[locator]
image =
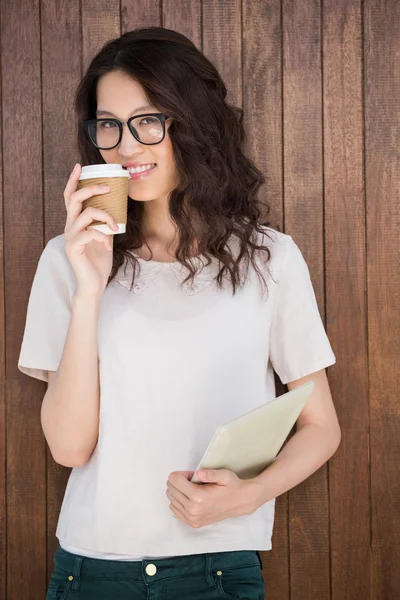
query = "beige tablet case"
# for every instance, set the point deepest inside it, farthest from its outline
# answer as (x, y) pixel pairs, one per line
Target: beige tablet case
(249, 443)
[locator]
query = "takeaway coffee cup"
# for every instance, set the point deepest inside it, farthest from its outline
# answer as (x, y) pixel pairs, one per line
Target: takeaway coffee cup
(115, 202)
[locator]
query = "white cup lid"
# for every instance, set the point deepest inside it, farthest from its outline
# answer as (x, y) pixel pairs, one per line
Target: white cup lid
(106, 170)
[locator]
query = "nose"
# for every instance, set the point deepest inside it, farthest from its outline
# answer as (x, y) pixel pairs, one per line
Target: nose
(129, 145)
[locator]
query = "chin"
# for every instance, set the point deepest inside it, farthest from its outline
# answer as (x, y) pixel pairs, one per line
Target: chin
(142, 196)
(141, 199)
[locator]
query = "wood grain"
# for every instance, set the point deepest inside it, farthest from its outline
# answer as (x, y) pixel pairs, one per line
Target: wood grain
(146, 13)
(101, 22)
(262, 98)
(26, 491)
(346, 306)
(262, 105)
(3, 506)
(185, 17)
(303, 219)
(318, 81)
(23, 242)
(222, 43)
(60, 28)
(382, 145)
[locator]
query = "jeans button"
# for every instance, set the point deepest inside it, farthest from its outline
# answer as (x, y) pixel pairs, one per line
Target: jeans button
(151, 570)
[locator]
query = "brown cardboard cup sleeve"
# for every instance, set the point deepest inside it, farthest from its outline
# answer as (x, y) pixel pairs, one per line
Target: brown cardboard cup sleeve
(115, 202)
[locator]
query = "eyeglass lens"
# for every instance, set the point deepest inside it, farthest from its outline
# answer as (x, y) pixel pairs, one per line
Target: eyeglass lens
(105, 133)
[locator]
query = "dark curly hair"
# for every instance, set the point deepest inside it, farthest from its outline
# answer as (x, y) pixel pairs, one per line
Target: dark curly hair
(218, 184)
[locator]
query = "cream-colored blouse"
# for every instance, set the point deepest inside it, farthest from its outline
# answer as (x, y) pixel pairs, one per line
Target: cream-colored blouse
(175, 362)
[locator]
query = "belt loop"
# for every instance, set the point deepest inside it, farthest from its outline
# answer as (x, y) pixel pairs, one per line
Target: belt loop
(76, 572)
(208, 571)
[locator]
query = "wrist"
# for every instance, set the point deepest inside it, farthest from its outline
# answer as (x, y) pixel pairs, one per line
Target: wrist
(255, 494)
(84, 302)
(86, 297)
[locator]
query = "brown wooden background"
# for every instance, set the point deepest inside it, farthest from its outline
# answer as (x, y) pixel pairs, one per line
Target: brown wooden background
(319, 81)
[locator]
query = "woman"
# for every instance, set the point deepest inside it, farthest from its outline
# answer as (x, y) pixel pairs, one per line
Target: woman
(151, 339)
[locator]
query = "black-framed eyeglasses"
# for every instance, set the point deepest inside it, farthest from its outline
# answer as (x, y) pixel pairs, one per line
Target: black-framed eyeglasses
(106, 134)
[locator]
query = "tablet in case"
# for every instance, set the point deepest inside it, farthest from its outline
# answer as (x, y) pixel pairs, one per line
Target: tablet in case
(249, 443)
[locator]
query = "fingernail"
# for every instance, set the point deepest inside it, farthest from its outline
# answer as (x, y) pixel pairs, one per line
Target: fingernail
(115, 226)
(104, 187)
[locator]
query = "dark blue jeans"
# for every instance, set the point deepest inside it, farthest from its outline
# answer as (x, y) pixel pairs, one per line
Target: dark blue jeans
(194, 577)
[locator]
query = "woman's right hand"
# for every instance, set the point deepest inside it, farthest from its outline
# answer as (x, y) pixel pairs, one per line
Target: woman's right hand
(90, 251)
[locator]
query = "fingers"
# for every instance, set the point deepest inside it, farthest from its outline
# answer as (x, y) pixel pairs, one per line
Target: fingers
(181, 498)
(85, 219)
(77, 221)
(72, 193)
(74, 205)
(175, 502)
(86, 192)
(72, 182)
(178, 480)
(187, 474)
(179, 514)
(79, 241)
(74, 197)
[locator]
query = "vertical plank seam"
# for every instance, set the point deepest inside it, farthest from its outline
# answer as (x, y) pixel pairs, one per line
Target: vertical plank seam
(160, 13)
(364, 167)
(201, 25)
(80, 37)
(41, 119)
(241, 56)
(324, 268)
(44, 242)
(284, 228)
(120, 18)
(4, 340)
(283, 124)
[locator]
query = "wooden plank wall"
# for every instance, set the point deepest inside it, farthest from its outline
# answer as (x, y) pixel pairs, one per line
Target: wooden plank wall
(319, 83)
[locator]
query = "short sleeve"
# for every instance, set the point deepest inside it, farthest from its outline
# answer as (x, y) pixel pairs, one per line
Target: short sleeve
(49, 312)
(299, 344)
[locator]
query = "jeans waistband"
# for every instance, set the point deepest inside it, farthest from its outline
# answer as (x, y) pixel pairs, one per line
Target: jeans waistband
(173, 566)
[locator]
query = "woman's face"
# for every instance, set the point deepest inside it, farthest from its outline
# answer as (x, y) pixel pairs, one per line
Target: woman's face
(119, 96)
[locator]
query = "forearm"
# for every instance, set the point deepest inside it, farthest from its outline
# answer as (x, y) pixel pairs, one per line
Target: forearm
(70, 409)
(308, 449)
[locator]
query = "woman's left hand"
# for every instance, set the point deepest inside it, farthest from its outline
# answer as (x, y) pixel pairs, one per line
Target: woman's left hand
(223, 496)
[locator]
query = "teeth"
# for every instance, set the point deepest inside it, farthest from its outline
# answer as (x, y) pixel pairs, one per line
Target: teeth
(140, 169)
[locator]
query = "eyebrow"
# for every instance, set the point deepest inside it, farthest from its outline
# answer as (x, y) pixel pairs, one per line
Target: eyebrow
(106, 112)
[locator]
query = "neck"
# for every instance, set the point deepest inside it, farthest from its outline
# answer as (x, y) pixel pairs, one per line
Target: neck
(159, 231)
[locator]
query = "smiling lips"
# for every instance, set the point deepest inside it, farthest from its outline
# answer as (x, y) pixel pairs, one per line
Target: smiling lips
(140, 172)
